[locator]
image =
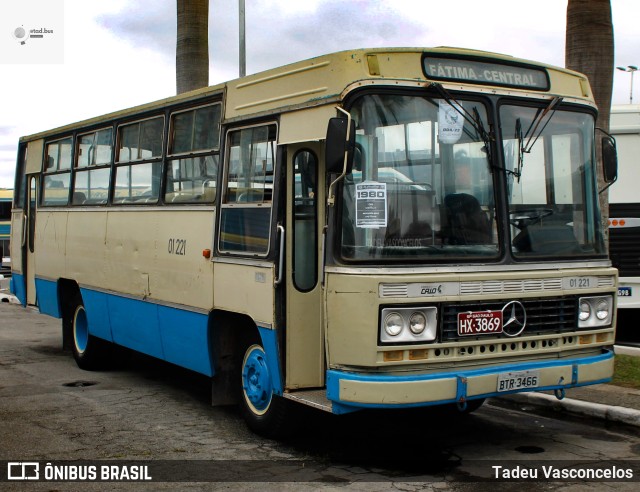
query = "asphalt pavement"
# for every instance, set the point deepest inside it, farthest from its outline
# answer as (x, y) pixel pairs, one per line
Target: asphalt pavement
(603, 401)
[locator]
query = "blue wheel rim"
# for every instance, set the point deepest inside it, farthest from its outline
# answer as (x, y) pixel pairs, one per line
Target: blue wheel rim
(256, 380)
(81, 330)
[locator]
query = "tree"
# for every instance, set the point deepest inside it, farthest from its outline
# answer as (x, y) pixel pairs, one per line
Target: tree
(589, 49)
(192, 46)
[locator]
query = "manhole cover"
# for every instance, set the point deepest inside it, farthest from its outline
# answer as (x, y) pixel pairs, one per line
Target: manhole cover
(79, 384)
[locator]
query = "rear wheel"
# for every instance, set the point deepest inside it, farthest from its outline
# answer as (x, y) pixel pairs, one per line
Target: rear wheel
(265, 413)
(89, 352)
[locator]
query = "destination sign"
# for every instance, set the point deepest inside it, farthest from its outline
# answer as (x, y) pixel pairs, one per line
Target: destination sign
(481, 72)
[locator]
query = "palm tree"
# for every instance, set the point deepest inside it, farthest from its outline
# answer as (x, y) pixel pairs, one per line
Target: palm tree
(589, 49)
(192, 47)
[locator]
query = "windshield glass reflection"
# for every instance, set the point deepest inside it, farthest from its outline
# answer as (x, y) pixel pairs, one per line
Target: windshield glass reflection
(552, 186)
(421, 186)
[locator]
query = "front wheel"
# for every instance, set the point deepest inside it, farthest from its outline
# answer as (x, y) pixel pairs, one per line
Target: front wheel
(89, 352)
(265, 413)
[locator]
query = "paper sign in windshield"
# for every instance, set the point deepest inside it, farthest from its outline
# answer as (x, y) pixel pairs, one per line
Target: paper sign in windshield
(450, 122)
(371, 205)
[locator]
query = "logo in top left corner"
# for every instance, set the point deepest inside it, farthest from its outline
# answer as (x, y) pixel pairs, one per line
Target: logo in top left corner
(23, 470)
(21, 34)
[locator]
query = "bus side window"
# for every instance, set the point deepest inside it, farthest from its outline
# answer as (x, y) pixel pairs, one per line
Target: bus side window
(138, 161)
(245, 218)
(57, 179)
(305, 239)
(194, 144)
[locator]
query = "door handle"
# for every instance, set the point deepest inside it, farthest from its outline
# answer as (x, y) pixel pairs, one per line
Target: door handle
(280, 276)
(24, 230)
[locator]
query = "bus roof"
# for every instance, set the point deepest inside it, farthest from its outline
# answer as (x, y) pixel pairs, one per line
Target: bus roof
(324, 79)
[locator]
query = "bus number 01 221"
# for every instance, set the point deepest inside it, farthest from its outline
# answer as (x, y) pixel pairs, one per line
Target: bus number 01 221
(177, 247)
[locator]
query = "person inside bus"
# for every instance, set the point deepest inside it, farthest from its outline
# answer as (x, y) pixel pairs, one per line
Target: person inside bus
(467, 223)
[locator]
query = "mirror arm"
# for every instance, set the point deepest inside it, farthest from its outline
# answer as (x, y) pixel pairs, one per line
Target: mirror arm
(607, 186)
(331, 200)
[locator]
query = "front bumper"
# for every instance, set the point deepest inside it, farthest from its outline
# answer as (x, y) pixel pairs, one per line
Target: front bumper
(350, 391)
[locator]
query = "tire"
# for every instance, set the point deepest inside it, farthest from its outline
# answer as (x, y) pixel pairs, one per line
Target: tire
(89, 352)
(264, 412)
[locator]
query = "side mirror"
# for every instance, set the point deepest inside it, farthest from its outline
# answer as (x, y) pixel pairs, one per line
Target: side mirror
(337, 144)
(609, 159)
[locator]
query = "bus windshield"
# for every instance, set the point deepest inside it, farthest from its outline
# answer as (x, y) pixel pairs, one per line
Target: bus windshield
(551, 183)
(421, 185)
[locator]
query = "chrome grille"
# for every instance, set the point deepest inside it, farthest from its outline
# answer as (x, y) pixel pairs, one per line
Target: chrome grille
(544, 316)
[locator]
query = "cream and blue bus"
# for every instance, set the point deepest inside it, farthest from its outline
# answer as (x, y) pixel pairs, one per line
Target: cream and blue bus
(376, 228)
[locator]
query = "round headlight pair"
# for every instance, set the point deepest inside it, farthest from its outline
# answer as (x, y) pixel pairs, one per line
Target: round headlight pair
(394, 323)
(601, 310)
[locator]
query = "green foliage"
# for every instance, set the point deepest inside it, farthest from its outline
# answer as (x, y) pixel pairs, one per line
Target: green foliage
(626, 371)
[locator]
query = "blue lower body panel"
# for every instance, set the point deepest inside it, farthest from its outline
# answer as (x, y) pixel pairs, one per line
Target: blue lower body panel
(176, 335)
(185, 339)
(47, 300)
(16, 286)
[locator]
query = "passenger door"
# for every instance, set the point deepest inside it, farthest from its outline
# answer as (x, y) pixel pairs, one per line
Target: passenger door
(304, 334)
(28, 243)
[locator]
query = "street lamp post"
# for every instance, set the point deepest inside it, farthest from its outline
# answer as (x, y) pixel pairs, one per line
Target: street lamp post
(631, 69)
(243, 45)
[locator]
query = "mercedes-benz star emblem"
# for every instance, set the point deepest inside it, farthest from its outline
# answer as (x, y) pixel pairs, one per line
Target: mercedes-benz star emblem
(514, 318)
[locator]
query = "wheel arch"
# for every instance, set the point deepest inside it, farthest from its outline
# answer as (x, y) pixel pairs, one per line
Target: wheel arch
(229, 334)
(68, 294)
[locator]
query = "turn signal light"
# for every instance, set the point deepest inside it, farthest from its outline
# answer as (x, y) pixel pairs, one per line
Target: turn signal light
(393, 356)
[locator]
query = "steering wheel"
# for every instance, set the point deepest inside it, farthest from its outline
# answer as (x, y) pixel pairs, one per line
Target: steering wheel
(528, 216)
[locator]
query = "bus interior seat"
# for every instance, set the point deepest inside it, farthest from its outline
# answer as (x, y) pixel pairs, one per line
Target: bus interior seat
(412, 217)
(466, 222)
(183, 196)
(545, 239)
(209, 194)
(253, 195)
(95, 201)
(78, 198)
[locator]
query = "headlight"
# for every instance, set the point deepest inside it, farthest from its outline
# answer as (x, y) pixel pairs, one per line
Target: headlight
(595, 312)
(408, 325)
(602, 310)
(393, 324)
(417, 323)
(585, 310)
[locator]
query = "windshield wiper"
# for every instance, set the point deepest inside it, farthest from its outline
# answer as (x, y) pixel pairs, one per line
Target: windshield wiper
(533, 133)
(473, 119)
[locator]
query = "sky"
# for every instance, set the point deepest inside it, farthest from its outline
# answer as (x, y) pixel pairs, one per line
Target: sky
(94, 57)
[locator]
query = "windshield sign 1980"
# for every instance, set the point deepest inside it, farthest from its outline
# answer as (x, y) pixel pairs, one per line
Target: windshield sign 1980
(485, 73)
